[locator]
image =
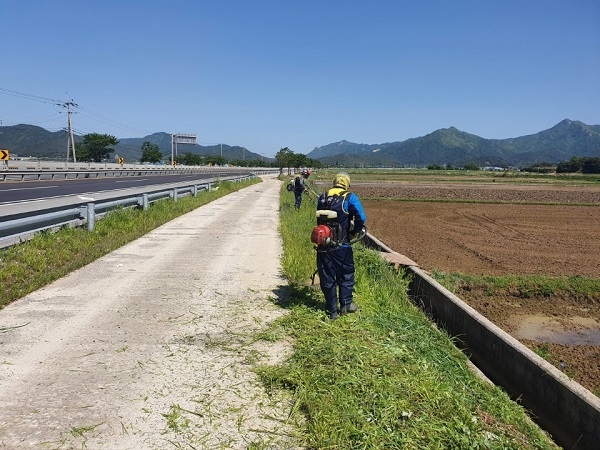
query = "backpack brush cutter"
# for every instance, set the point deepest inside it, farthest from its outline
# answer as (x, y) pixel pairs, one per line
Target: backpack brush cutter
(358, 237)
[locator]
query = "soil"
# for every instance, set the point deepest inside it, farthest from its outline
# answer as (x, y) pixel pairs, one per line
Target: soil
(491, 229)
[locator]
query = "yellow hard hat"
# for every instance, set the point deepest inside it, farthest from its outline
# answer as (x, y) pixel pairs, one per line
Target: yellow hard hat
(342, 180)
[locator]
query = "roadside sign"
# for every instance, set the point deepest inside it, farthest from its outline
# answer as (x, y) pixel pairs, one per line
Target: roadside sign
(4, 155)
(121, 160)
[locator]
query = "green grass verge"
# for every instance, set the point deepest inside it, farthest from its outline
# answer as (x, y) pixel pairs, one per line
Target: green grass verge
(523, 286)
(33, 264)
(458, 176)
(384, 377)
(489, 202)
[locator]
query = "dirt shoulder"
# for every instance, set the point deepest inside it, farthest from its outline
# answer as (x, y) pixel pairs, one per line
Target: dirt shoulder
(153, 345)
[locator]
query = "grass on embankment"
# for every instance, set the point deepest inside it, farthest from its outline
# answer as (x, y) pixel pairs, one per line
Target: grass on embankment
(384, 377)
(522, 286)
(49, 256)
(460, 177)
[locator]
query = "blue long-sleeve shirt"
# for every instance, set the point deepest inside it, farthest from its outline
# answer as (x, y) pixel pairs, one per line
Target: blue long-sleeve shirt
(351, 206)
(356, 211)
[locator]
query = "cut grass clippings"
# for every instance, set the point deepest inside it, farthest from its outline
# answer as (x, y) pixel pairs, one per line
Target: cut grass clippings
(384, 377)
(51, 255)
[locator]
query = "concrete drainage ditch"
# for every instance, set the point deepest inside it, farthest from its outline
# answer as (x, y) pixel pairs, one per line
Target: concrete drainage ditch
(565, 409)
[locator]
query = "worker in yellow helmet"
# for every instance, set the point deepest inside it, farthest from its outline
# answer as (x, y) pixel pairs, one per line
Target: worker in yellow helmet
(335, 259)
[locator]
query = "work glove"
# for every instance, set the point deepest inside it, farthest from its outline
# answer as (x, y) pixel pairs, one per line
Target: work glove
(355, 233)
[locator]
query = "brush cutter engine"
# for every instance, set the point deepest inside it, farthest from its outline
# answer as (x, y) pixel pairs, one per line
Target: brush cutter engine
(326, 233)
(322, 236)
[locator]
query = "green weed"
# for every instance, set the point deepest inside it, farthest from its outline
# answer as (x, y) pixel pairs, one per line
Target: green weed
(543, 350)
(175, 421)
(523, 286)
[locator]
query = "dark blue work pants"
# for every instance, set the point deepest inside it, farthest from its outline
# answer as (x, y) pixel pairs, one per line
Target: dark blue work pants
(336, 270)
(298, 195)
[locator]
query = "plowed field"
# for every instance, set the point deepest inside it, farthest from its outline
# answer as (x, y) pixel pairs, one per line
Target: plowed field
(509, 230)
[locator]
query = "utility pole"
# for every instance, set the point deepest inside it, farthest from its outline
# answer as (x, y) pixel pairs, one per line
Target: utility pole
(70, 138)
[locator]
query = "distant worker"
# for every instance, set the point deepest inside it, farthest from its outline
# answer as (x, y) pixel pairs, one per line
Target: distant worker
(299, 188)
(343, 215)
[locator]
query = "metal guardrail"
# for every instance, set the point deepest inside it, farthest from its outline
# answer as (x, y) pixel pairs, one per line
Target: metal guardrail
(90, 171)
(20, 227)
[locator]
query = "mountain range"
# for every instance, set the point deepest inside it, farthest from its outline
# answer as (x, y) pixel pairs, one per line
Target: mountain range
(130, 148)
(445, 146)
(457, 148)
(33, 141)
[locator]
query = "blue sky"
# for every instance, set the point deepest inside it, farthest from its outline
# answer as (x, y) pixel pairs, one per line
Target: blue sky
(267, 74)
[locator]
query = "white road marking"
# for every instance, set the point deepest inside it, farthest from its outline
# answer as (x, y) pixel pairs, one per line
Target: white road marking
(27, 188)
(137, 181)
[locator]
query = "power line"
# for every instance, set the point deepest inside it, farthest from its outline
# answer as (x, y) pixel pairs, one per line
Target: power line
(77, 109)
(106, 120)
(36, 98)
(49, 118)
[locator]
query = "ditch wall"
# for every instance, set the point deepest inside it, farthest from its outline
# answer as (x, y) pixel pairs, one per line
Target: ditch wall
(565, 409)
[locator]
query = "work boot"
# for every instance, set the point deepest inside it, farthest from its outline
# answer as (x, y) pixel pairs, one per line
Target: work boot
(352, 307)
(333, 316)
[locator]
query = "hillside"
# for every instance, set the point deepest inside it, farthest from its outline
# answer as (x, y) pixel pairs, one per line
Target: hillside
(444, 146)
(33, 141)
(452, 146)
(130, 148)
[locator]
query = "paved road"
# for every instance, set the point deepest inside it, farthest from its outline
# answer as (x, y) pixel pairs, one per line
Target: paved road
(20, 199)
(149, 347)
(19, 191)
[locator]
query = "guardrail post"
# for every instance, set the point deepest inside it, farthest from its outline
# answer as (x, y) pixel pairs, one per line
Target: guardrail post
(91, 216)
(195, 190)
(175, 195)
(145, 202)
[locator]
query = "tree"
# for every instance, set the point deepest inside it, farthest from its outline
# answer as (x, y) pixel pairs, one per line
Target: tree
(216, 160)
(471, 166)
(95, 147)
(283, 158)
(573, 165)
(298, 160)
(314, 163)
(151, 152)
(435, 167)
(191, 159)
(81, 153)
(591, 165)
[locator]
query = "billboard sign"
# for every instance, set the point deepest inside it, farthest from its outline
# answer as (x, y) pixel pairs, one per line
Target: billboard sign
(185, 138)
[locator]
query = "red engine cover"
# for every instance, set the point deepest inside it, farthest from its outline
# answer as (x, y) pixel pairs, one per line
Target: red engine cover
(321, 235)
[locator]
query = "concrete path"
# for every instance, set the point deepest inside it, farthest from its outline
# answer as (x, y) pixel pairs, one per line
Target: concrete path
(151, 347)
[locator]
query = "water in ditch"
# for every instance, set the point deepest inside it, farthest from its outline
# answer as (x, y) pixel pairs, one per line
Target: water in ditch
(573, 331)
